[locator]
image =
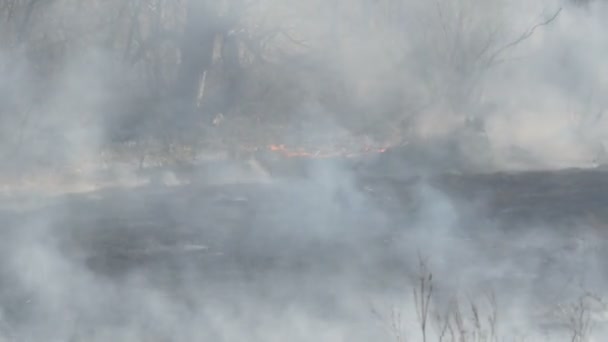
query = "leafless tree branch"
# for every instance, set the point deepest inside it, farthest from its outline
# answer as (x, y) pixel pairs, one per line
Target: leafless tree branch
(524, 36)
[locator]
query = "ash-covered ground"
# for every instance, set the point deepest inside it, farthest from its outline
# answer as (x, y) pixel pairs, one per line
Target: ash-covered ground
(330, 254)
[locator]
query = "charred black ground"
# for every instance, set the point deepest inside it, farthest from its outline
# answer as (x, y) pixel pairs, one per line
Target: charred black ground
(298, 244)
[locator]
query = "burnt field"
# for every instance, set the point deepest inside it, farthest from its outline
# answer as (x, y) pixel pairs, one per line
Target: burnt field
(316, 255)
(272, 171)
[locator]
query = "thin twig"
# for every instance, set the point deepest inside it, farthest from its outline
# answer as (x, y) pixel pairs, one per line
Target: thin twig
(523, 36)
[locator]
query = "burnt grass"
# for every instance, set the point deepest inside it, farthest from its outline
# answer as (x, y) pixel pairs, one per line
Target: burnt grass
(267, 225)
(234, 236)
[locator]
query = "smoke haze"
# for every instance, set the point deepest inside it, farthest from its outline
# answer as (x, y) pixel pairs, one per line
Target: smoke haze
(290, 170)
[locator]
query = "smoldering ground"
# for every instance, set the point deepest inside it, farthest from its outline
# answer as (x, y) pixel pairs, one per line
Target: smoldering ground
(308, 249)
(287, 260)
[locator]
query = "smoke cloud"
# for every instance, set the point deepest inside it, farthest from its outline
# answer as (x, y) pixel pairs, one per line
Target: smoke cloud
(141, 200)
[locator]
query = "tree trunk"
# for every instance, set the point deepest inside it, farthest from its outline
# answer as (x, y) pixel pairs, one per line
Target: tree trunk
(196, 49)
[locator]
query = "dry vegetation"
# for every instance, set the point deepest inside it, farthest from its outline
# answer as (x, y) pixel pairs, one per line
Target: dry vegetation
(477, 318)
(80, 78)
